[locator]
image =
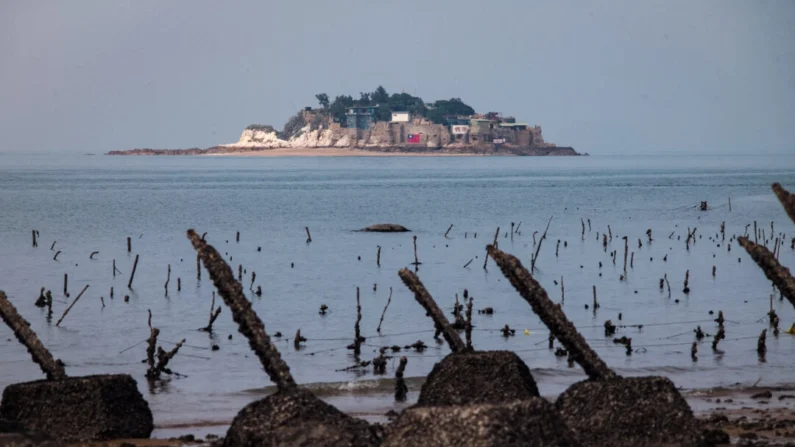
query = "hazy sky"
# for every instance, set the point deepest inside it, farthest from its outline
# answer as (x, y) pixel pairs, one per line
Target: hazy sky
(605, 77)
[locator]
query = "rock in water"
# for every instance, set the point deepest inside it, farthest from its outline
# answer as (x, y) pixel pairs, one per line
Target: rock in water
(79, 409)
(646, 411)
(386, 228)
(298, 418)
(488, 377)
(529, 422)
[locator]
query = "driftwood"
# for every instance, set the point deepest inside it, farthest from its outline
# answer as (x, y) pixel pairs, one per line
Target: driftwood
(52, 368)
(70, 306)
(249, 323)
(427, 302)
(777, 273)
(552, 316)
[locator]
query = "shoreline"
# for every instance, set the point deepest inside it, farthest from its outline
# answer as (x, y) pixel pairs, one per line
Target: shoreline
(374, 151)
(730, 409)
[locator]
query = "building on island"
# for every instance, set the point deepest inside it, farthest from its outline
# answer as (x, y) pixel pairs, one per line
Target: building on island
(401, 117)
(514, 126)
(360, 117)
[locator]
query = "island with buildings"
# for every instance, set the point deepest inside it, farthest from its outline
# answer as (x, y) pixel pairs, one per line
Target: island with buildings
(381, 124)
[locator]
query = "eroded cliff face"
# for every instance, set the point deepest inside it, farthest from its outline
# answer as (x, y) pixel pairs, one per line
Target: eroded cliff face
(384, 135)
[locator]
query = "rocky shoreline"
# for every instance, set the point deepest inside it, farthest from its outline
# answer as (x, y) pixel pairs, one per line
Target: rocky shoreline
(484, 150)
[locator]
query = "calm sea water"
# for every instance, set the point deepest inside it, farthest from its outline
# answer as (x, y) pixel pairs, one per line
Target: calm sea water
(86, 204)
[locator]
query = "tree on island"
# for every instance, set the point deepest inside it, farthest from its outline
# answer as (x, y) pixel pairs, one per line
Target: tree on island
(322, 98)
(397, 102)
(380, 96)
(445, 108)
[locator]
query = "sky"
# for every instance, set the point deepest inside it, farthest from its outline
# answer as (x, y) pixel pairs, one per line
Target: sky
(606, 77)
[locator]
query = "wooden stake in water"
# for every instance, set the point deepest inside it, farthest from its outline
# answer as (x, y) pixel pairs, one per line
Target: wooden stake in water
(416, 260)
(626, 251)
(686, 289)
(486, 258)
(388, 300)
(71, 305)
(168, 279)
(448, 230)
(308, 235)
(35, 243)
(129, 244)
(213, 316)
(357, 342)
(538, 248)
(65, 284)
(378, 257)
(468, 326)
(400, 384)
(132, 275)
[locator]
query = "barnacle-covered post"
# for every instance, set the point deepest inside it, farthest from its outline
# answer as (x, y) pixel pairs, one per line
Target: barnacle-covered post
(51, 367)
(248, 322)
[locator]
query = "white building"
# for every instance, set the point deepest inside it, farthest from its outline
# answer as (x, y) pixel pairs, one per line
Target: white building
(400, 117)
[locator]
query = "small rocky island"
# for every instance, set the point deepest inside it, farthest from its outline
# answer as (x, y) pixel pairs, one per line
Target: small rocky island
(381, 123)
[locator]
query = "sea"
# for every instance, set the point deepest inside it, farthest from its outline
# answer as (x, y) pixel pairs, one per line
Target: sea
(82, 205)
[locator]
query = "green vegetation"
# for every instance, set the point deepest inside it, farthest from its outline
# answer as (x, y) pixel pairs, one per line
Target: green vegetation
(453, 107)
(396, 102)
(262, 127)
(293, 126)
